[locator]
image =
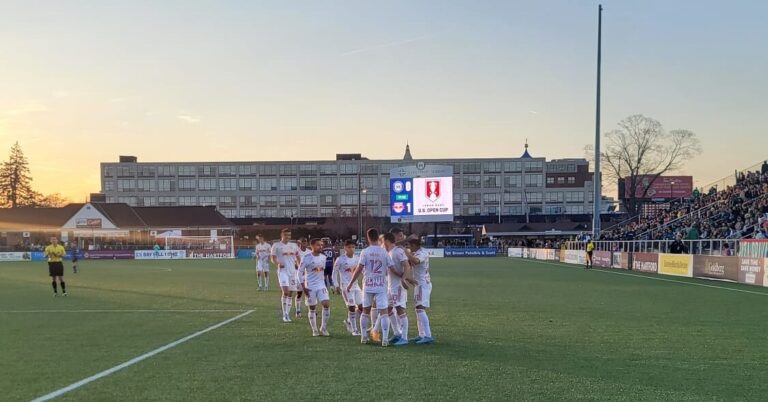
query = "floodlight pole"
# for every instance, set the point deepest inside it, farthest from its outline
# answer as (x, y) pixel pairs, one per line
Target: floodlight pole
(597, 180)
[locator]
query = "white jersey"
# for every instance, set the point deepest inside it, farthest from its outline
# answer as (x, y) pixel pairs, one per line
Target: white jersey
(343, 269)
(311, 271)
(376, 262)
(262, 252)
(286, 255)
(304, 253)
(398, 258)
(421, 270)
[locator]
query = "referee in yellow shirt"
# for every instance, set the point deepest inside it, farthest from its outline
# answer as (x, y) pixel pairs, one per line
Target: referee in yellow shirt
(55, 253)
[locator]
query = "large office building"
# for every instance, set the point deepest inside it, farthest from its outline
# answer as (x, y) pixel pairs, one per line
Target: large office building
(315, 189)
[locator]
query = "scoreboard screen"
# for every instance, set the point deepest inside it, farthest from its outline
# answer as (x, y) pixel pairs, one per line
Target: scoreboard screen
(421, 194)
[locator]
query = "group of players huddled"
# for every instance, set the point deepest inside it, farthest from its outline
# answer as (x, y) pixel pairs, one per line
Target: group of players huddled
(389, 266)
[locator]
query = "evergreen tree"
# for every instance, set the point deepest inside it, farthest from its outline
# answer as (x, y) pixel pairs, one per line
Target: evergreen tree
(15, 180)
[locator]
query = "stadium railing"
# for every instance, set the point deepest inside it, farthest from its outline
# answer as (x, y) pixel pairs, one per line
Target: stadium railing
(698, 247)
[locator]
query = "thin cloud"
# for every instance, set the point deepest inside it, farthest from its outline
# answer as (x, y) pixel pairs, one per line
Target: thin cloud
(32, 107)
(386, 45)
(188, 118)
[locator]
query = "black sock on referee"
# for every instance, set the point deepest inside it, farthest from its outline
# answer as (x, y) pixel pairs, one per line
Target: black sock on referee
(54, 287)
(63, 287)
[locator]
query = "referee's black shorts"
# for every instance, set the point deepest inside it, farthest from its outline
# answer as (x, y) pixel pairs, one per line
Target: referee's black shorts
(55, 269)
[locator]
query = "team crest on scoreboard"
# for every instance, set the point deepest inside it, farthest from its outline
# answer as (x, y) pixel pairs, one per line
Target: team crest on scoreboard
(398, 207)
(433, 190)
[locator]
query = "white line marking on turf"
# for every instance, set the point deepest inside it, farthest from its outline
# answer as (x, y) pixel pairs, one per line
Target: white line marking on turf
(120, 311)
(72, 387)
(562, 265)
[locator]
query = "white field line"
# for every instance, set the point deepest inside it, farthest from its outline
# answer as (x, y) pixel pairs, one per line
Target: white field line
(120, 311)
(563, 265)
(86, 381)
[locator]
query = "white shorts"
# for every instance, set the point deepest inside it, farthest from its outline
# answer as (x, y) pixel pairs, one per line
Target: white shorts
(379, 298)
(421, 294)
(315, 296)
(287, 279)
(262, 266)
(352, 298)
(398, 297)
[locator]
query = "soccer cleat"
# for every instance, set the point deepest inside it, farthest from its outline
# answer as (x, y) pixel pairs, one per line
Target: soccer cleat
(55, 295)
(425, 341)
(365, 341)
(375, 336)
(326, 333)
(298, 315)
(356, 333)
(315, 333)
(64, 294)
(286, 319)
(395, 339)
(400, 342)
(416, 339)
(384, 343)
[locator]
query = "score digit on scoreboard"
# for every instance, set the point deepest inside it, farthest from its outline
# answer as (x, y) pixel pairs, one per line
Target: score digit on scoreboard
(422, 193)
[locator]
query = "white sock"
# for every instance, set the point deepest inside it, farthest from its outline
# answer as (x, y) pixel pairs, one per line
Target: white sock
(286, 305)
(259, 279)
(395, 322)
(403, 326)
(357, 315)
(384, 327)
(298, 305)
(423, 321)
(352, 318)
(326, 318)
(313, 320)
(374, 318)
(266, 282)
(364, 322)
(377, 324)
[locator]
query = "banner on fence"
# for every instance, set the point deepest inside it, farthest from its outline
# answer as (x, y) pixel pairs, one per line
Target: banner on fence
(645, 262)
(108, 255)
(208, 254)
(755, 248)
(620, 260)
(676, 264)
(515, 252)
(15, 256)
(602, 259)
(435, 252)
(751, 271)
(716, 267)
(159, 255)
(470, 252)
(574, 257)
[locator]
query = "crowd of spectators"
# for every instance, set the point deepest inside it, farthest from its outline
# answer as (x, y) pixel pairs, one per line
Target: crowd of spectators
(739, 211)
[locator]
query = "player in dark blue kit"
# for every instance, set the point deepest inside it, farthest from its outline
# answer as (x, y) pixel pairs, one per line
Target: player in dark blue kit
(330, 254)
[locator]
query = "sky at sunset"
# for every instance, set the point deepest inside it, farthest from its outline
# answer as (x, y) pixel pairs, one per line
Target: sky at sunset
(82, 82)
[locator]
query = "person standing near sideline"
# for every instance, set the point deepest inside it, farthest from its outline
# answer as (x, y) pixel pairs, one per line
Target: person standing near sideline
(55, 253)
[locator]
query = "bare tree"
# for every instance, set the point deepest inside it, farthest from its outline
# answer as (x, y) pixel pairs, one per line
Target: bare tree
(640, 148)
(55, 200)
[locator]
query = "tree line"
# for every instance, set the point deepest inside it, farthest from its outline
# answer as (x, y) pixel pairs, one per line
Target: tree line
(16, 184)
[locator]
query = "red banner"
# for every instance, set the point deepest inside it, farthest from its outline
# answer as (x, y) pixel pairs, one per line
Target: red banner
(645, 262)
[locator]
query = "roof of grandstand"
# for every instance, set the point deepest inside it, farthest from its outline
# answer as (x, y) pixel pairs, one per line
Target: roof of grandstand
(119, 216)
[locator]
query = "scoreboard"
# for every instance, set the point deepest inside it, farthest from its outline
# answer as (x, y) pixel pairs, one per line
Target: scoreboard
(421, 193)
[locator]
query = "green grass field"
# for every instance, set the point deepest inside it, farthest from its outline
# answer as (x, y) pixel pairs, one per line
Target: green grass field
(505, 330)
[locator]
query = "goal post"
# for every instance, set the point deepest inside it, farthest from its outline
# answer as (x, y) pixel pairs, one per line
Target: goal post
(202, 247)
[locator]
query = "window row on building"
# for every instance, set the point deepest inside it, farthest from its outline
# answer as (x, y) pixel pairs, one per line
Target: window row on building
(321, 169)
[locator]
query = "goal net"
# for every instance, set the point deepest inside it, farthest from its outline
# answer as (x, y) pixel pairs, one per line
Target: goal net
(202, 247)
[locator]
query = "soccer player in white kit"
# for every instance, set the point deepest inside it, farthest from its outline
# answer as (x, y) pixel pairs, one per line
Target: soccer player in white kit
(422, 291)
(374, 264)
(303, 251)
(312, 282)
(262, 252)
(342, 270)
(398, 293)
(285, 256)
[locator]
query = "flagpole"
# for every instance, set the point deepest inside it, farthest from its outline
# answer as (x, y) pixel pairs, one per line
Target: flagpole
(597, 180)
